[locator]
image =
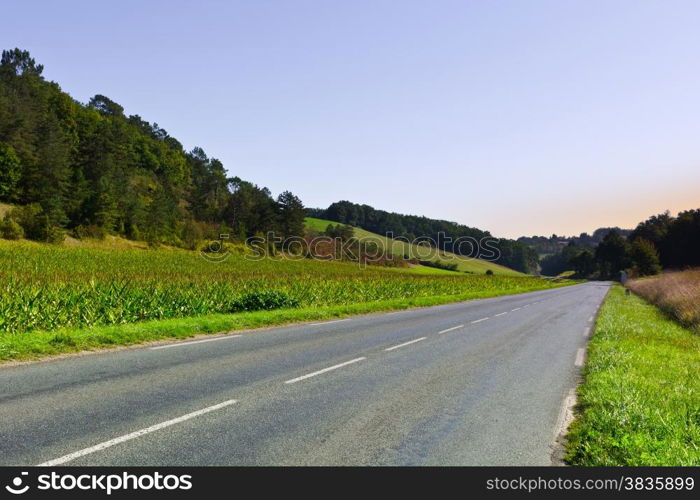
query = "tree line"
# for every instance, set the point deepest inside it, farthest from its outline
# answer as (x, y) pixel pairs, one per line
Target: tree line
(89, 170)
(513, 254)
(660, 242)
(547, 245)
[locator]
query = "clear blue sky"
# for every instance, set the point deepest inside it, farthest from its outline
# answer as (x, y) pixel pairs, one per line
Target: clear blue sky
(520, 117)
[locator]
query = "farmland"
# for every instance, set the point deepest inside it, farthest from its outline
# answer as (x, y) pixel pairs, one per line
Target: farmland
(47, 288)
(411, 250)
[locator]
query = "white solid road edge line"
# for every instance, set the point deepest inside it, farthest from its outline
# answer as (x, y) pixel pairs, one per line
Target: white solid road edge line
(480, 320)
(450, 329)
(580, 357)
(180, 344)
(134, 435)
(566, 414)
(405, 344)
(334, 367)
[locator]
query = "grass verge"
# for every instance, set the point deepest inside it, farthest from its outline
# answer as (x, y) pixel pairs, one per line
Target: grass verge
(639, 403)
(37, 344)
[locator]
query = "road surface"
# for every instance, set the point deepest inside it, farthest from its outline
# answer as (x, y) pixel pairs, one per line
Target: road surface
(481, 382)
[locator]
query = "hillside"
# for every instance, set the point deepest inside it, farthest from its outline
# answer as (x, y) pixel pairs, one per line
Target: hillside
(402, 248)
(447, 234)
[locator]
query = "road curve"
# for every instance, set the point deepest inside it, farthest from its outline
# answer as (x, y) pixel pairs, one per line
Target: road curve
(472, 383)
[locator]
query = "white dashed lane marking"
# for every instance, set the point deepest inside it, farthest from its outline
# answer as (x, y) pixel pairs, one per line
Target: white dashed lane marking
(134, 435)
(405, 343)
(451, 329)
(319, 372)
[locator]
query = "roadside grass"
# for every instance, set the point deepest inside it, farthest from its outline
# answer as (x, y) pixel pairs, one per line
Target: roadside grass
(639, 404)
(37, 344)
(403, 248)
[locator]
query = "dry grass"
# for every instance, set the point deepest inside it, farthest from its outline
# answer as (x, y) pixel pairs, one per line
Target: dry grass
(677, 293)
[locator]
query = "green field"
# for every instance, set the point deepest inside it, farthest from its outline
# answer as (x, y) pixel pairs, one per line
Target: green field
(402, 248)
(640, 401)
(65, 290)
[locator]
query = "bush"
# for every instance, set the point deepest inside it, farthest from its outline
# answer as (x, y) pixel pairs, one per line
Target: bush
(10, 230)
(447, 266)
(489, 272)
(192, 234)
(264, 300)
(36, 224)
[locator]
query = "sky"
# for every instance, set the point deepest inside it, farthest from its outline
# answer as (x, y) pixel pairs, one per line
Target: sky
(519, 117)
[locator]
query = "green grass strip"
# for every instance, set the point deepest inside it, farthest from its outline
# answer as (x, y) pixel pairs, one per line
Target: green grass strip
(639, 403)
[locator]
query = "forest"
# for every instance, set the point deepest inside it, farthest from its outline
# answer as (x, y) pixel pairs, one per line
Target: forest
(88, 170)
(660, 242)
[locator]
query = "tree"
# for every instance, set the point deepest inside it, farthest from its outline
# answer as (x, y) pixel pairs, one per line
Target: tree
(20, 62)
(291, 214)
(10, 172)
(584, 264)
(645, 257)
(251, 210)
(106, 106)
(612, 255)
(682, 242)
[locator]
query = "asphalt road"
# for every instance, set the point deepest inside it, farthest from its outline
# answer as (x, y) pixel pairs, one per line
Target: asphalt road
(480, 382)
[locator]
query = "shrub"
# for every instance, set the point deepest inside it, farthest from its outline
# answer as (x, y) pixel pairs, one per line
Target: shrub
(489, 272)
(447, 266)
(10, 230)
(192, 234)
(264, 300)
(36, 224)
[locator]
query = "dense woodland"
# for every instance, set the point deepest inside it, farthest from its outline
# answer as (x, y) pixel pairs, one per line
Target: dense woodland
(660, 242)
(513, 254)
(90, 170)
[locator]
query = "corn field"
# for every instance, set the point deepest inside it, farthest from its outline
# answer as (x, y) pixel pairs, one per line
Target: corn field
(45, 288)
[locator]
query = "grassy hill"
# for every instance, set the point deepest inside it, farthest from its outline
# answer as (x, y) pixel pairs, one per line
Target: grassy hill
(401, 248)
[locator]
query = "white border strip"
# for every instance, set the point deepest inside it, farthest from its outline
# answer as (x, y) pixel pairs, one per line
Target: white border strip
(181, 344)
